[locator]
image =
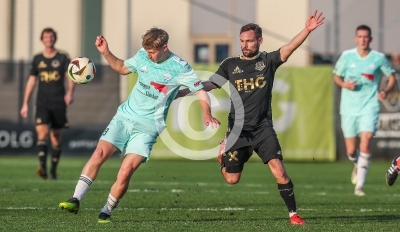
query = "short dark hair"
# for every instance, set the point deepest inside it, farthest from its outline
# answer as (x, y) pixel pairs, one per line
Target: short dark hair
(48, 30)
(252, 27)
(364, 28)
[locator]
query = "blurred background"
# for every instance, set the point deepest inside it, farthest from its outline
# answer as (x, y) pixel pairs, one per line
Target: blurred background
(203, 32)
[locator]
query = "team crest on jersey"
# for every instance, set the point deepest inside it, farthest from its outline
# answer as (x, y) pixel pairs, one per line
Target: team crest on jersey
(143, 69)
(167, 76)
(371, 66)
(42, 64)
(237, 70)
(55, 63)
(260, 66)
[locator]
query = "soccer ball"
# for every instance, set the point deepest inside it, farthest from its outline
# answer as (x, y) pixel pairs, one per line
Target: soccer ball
(81, 70)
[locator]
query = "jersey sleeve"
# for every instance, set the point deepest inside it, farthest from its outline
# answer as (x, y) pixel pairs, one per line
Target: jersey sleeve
(189, 79)
(275, 58)
(131, 63)
(340, 67)
(34, 67)
(221, 76)
(386, 67)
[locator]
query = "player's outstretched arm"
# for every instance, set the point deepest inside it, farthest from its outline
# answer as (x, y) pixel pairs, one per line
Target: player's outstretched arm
(115, 63)
(207, 86)
(205, 105)
(314, 21)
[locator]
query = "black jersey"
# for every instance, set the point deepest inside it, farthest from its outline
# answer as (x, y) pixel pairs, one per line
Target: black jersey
(51, 76)
(253, 81)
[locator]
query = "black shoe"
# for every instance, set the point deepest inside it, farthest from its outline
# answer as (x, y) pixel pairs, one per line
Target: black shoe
(71, 205)
(392, 172)
(104, 218)
(41, 172)
(53, 176)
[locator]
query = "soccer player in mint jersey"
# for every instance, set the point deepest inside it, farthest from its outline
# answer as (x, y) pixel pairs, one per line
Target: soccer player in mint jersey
(358, 72)
(48, 70)
(140, 119)
(251, 77)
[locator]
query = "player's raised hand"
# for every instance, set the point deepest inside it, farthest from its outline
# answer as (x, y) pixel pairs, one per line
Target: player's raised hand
(101, 44)
(209, 120)
(314, 21)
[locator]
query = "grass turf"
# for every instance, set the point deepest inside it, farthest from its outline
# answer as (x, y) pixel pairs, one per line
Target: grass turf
(184, 195)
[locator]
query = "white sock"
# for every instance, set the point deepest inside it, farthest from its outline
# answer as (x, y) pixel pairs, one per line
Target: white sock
(291, 213)
(110, 205)
(362, 169)
(82, 186)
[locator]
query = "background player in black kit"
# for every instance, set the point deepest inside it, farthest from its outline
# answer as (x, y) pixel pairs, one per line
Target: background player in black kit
(252, 76)
(49, 69)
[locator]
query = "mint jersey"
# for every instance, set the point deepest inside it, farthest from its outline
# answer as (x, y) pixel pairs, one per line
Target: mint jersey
(366, 72)
(156, 87)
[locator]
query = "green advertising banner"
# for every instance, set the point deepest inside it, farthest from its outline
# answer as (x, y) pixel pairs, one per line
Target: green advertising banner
(302, 111)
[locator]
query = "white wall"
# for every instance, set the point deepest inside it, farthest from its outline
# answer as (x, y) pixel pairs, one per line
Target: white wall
(286, 18)
(4, 28)
(62, 16)
(149, 13)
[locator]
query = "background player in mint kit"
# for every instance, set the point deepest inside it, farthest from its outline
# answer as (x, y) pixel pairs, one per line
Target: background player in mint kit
(49, 69)
(252, 75)
(358, 73)
(140, 119)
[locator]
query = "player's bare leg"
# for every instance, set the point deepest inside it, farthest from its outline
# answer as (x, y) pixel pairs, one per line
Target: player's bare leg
(42, 131)
(89, 173)
(55, 139)
(363, 162)
(285, 187)
(128, 167)
(352, 155)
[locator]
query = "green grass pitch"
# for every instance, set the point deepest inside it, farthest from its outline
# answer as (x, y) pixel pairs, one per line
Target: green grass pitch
(185, 195)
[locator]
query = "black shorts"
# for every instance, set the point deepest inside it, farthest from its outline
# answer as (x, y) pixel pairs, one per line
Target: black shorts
(57, 118)
(263, 141)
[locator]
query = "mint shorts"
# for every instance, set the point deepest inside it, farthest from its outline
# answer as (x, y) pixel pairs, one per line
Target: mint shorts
(131, 136)
(353, 125)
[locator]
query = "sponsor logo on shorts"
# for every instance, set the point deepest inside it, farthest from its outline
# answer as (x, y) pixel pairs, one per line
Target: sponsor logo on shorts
(232, 156)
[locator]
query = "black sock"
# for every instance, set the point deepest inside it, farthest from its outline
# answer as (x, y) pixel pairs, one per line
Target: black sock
(287, 194)
(55, 158)
(42, 154)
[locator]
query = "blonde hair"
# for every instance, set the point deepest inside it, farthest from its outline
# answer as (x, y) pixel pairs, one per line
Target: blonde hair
(154, 38)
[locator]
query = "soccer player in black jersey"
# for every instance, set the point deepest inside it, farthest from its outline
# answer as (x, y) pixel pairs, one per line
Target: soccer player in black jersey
(252, 76)
(49, 69)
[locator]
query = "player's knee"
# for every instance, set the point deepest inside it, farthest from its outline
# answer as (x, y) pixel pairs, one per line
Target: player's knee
(100, 155)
